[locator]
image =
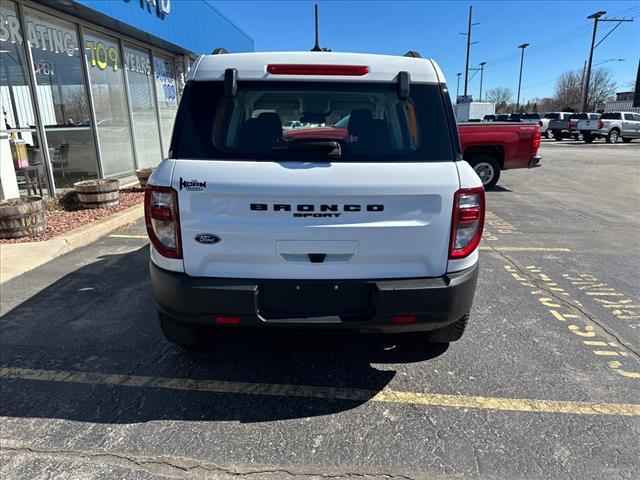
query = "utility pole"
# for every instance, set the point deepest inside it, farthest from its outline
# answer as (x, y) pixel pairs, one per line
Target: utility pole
(596, 19)
(584, 72)
(458, 88)
(482, 64)
(523, 46)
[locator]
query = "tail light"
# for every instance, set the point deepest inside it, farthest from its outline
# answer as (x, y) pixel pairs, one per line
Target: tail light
(600, 124)
(467, 221)
(535, 142)
(163, 223)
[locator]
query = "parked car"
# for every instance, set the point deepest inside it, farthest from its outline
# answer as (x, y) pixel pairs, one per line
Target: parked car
(502, 117)
(531, 118)
(567, 126)
(559, 126)
(489, 118)
(251, 227)
(611, 126)
(546, 119)
(291, 124)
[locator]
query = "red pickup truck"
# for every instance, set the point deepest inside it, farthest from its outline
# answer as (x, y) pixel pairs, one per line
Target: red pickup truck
(492, 147)
(489, 147)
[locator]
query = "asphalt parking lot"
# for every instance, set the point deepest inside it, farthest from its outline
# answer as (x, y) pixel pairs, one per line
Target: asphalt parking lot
(544, 384)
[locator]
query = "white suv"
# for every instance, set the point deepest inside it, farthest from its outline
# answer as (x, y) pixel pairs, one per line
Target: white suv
(370, 223)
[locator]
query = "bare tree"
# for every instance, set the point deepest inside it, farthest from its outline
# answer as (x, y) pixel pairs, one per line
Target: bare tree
(568, 94)
(602, 88)
(501, 96)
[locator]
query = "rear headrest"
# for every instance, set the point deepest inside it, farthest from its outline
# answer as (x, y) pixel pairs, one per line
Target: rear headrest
(270, 122)
(359, 120)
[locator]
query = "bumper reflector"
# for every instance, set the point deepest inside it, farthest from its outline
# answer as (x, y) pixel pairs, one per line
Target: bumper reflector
(228, 320)
(404, 319)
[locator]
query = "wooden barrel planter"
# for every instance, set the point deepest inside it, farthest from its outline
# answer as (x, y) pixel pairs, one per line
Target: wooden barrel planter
(143, 175)
(98, 193)
(22, 217)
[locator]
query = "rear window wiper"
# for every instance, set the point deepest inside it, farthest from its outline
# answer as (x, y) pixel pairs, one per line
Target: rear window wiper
(331, 148)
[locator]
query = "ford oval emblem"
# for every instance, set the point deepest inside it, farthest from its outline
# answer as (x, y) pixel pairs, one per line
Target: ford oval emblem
(207, 238)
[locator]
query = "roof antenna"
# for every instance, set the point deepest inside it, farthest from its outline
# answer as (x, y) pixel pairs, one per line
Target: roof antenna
(316, 47)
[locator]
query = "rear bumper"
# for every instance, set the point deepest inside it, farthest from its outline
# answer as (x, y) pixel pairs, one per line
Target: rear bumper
(435, 302)
(594, 133)
(535, 161)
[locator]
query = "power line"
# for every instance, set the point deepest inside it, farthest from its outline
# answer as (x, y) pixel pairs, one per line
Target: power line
(558, 40)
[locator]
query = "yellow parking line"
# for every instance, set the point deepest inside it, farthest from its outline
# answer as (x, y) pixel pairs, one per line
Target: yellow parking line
(526, 249)
(327, 393)
(123, 235)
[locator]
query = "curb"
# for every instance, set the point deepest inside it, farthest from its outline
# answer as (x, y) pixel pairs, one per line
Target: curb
(19, 258)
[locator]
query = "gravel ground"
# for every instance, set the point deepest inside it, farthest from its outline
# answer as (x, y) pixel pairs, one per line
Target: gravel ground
(61, 221)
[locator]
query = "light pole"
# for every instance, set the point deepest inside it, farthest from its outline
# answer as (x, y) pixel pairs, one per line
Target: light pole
(523, 46)
(458, 88)
(482, 64)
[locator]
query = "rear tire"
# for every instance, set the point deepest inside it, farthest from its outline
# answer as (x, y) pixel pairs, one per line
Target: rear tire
(487, 168)
(548, 134)
(578, 137)
(450, 333)
(557, 136)
(587, 138)
(612, 136)
(186, 336)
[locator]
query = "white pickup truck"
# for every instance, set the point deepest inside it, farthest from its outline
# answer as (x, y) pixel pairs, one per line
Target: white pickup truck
(611, 126)
(375, 231)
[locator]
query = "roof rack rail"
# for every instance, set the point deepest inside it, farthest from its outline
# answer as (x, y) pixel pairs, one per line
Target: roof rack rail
(219, 51)
(412, 53)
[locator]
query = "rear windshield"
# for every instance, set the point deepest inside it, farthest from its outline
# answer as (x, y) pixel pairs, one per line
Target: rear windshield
(552, 116)
(611, 116)
(531, 116)
(306, 121)
(579, 116)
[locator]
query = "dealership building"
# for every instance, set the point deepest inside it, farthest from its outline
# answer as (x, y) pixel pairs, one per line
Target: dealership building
(90, 88)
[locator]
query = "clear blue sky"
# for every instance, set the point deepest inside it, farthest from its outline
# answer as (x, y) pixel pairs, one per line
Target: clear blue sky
(558, 31)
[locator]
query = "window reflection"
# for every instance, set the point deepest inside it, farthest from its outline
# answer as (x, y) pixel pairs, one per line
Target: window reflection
(17, 106)
(62, 97)
(167, 97)
(106, 75)
(143, 107)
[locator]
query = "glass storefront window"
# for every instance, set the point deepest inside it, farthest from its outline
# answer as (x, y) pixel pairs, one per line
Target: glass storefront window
(143, 107)
(166, 89)
(106, 75)
(17, 106)
(62, 97)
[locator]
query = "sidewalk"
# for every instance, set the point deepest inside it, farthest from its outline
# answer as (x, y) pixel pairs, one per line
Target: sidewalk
(18, 258)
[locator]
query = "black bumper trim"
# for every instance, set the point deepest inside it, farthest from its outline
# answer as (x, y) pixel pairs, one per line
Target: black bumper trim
(535, 161)
(436, 302)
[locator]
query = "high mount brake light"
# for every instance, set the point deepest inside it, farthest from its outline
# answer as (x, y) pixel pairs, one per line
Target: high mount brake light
(294, 69)
(162, 220)
(467, 221)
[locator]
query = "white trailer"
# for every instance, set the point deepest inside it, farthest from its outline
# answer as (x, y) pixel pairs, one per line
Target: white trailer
(474, 110)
